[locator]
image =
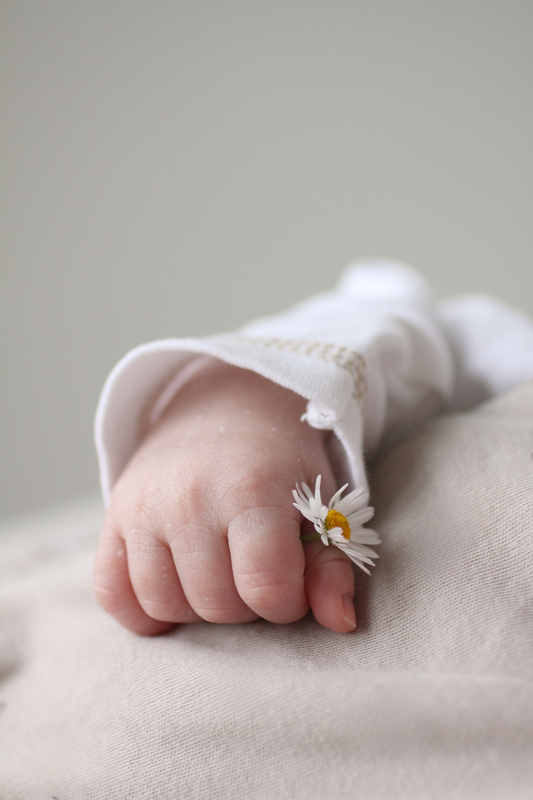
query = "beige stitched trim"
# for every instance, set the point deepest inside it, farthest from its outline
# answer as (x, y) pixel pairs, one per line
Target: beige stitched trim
(353, 362)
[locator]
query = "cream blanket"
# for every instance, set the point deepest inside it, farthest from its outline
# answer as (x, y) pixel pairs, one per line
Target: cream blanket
(431, 697)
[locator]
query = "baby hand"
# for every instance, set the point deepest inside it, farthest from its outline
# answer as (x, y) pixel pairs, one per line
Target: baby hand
(201, 524)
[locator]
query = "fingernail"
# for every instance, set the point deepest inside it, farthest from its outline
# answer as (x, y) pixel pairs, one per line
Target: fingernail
(349, 610)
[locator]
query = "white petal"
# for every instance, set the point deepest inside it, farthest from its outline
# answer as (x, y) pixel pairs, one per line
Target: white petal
(336, 496)
(359, 518)
(351, 549)
(364, 551)
(316, 508)
(317, 489)
(352, 502)
(357, 558)
(365, 536)
(360, 565)
(298, 496)
(306, 497)
(307, 490)
(337, 536)
(305, 512)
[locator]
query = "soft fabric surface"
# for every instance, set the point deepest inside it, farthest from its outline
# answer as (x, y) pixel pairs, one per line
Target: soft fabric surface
(431, 697)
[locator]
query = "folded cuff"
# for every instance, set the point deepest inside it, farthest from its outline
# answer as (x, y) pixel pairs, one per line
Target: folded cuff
(330, 377)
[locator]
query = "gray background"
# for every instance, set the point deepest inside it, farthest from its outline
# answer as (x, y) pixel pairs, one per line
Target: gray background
(177, 168)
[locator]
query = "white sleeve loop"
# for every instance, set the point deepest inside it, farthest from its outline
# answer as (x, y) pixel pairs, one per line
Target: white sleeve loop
(317, 418)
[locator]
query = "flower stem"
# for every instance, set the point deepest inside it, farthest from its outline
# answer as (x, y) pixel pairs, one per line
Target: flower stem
(309, 537)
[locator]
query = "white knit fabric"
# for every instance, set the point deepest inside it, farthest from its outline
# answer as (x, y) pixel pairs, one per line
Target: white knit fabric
(374, 358)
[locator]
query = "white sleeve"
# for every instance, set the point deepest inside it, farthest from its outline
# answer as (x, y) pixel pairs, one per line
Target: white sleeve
(371, 358)
(492, 346)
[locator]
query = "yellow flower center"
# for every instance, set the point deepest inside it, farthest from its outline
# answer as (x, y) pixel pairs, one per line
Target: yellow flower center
(335, 519)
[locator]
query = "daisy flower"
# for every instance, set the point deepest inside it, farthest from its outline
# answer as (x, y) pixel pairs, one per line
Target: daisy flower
(340, 523)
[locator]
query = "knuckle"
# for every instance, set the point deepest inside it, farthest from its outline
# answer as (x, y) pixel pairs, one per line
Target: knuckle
(265, 590)
(144, 548)
(172, 507)
(254, 491)
(143, 511)
(222, 612)
(146, 498)
(257, 522)
(328, 559)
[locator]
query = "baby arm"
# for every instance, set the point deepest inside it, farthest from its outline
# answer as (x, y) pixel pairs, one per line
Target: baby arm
(201, 523)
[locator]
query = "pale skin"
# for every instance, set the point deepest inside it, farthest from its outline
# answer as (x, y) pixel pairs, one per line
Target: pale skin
(201, 524)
